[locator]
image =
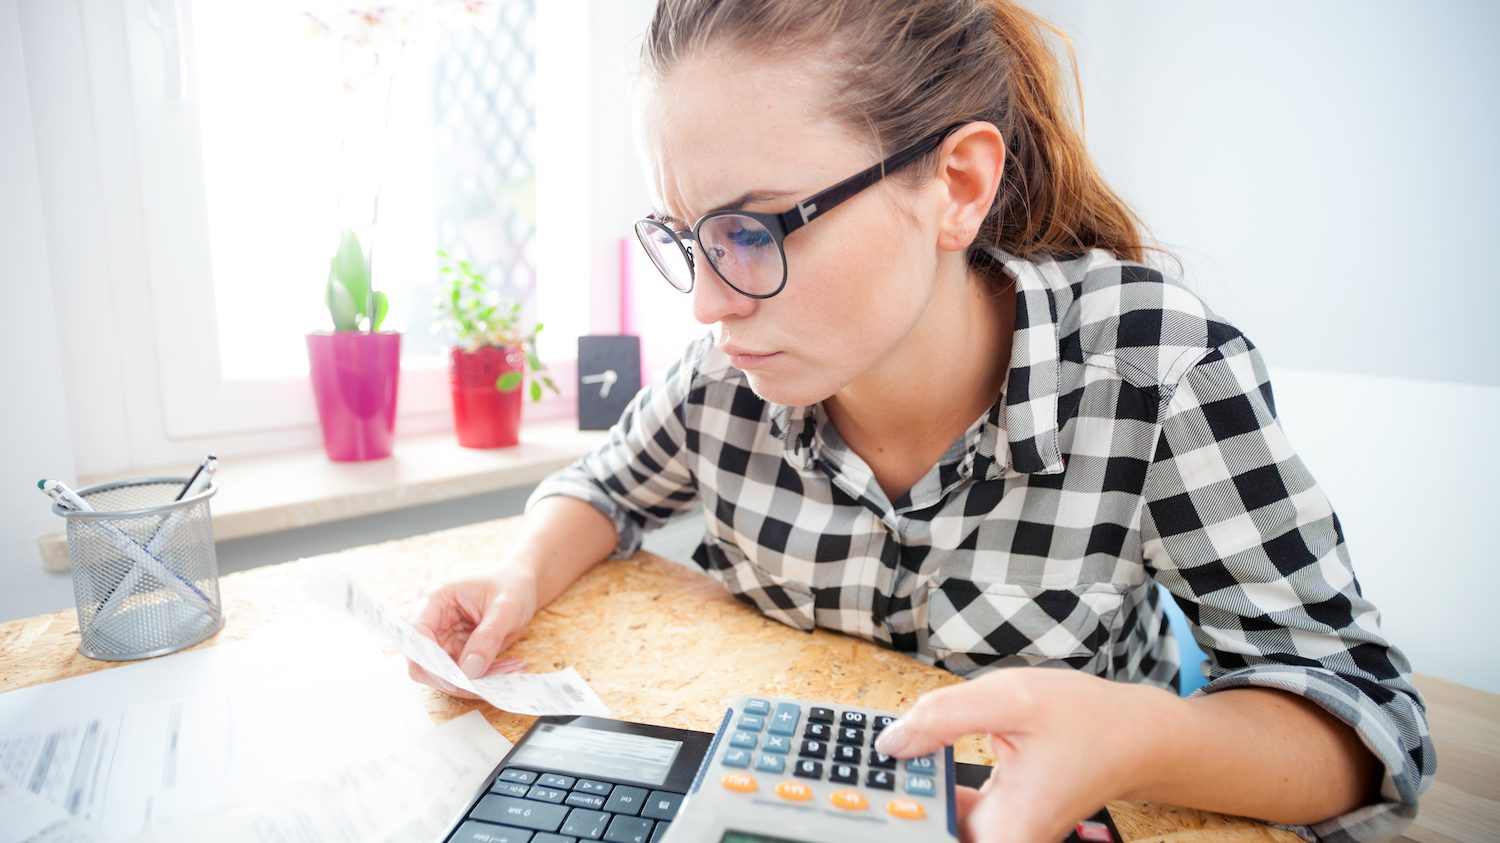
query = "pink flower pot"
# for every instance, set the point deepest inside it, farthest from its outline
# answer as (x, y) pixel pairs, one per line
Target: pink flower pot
(483, 416)
(354, 378)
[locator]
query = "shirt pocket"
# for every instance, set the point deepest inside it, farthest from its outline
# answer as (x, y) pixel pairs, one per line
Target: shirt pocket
(779, 598)
(1012, 624)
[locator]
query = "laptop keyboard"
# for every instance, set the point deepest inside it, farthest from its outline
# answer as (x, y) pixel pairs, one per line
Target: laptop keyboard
(525, 806)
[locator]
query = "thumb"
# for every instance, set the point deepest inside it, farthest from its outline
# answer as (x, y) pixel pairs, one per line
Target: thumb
(943, 716)
(486, 641)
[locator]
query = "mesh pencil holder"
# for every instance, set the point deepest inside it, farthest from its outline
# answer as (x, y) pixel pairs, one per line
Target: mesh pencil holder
(145, 576)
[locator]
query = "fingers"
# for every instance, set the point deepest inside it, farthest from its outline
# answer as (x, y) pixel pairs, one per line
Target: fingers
(488, 639)
(990, 705)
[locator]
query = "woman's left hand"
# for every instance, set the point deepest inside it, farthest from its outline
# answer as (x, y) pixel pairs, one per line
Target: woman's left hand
(1065, 743)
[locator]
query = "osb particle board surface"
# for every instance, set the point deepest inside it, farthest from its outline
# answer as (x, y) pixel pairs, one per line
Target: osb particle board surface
(659, 643)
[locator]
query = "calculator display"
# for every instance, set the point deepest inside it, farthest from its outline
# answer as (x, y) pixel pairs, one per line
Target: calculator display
(595, 752)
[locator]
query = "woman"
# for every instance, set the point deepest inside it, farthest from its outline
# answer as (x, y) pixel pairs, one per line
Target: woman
(959, 417)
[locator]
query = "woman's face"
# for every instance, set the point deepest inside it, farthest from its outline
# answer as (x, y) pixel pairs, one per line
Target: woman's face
(727, 131)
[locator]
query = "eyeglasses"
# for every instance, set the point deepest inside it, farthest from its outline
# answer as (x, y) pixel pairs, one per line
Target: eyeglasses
(746, 248)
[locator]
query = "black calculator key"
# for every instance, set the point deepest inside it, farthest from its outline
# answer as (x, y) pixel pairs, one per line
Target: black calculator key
(660, 832)
(591, 786)
(816, 731)
(579, 799)
(855, 719)
(844, 774)
(846, 754)
(881, 779)
(522, 812)
(587, 824)
(851, 736)
(628, 830)
(625, 800)
(661, 805)
(515, 775)
(509, 788)
(883, 721)
(820, 715)
(814, 749)
(554, 780)
(546, 794)
(882, 761)
(549, 837)
(809, 769)
(472, 832)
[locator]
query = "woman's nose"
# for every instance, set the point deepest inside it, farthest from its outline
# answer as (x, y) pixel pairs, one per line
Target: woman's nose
(714, 300)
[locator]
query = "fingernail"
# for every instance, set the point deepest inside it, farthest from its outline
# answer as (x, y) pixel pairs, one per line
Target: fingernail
(893, 739)
(473, 665)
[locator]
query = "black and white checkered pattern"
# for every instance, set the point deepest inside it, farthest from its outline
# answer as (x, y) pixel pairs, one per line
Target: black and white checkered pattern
(1135, 443)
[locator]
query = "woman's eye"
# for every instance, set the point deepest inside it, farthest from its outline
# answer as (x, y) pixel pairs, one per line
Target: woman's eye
(751, 237)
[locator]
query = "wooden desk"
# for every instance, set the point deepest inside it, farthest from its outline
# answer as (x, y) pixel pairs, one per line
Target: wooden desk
(664, 644)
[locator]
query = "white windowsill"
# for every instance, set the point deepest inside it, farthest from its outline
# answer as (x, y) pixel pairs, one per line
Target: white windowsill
(299, 489)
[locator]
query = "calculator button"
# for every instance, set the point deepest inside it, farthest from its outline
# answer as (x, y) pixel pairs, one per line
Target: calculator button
(855, 719)
(661, 805)
(794, 791)
(906, 809)
(514, 775)
(521, 812)
(770, 764)
(921, 786)
(922, 766)
(881, 780)
(585, 823)
(1092, 831)
(752, 722)
(820, 715)
(578, 799)
(546, 794)
(814, 749)
(473, 832)
(591, 786)
(660, 832)
(554, 780)
(628, 830)
(784, 721)
(779, 744)
(816, 731)
(849, 800)
(881, 761)
(844, 774)
(509, 788)
(625, 800)
(757, 707)
(853, 737)
(739, 782)
(809, 770)
(736, 758)
(742, 740)
(846, 754)
(882, 721)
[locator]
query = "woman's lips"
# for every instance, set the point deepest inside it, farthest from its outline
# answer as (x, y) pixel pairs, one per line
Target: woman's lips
(745, 359)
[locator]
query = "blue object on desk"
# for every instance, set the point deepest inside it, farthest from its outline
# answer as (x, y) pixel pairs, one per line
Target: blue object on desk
(1189, 654)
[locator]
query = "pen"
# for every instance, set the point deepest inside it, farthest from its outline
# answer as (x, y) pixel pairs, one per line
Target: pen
(208, 464)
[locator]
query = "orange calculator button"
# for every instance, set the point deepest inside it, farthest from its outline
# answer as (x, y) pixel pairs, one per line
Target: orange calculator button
(906, 809)
(739, 782)
(794, 791)
(849, 800)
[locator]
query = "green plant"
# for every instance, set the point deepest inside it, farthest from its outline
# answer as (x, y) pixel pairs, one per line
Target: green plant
(353, 305)
(475, 314)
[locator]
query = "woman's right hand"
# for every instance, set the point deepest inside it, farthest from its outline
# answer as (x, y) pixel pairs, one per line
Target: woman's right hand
(474, 619)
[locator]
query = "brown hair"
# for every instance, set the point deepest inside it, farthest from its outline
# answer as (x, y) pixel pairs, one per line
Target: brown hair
(902, 69)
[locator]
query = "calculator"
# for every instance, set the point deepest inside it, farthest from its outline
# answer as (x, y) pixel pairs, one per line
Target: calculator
(791, 771)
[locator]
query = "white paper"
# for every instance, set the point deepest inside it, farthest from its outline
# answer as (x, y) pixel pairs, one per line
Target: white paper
(562, 692)
(31, 819)
(412, 794)
(126, 748)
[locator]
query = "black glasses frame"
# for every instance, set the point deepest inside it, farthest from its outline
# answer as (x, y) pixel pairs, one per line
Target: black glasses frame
(783, 224)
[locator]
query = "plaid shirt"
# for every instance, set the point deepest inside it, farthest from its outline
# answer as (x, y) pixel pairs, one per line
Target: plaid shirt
(1135, 443)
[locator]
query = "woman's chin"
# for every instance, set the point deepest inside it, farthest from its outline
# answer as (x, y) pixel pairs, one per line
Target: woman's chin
(788, 392)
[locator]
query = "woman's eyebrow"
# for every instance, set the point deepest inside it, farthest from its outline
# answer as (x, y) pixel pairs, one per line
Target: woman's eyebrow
(747, 199)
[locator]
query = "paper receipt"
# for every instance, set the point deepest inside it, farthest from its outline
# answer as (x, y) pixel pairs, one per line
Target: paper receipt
(562, 692)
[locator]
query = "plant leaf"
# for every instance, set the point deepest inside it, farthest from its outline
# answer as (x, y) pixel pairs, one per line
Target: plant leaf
(352, 270)
(535, 361)
(509, 381)
(381, 306)
(536, 391)
(340, 305)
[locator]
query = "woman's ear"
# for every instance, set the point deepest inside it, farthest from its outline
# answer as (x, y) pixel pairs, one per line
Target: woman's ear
(970, 162)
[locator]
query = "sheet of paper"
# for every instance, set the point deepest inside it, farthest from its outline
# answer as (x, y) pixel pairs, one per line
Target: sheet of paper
(126, 748)
(412, 794)
(562, 692)
(31, 819)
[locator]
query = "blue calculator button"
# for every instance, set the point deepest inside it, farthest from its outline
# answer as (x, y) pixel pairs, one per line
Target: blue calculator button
(784, 721)
(770, 763)
(924, 765)
(742, 740)
(753, 722)
(921, 786)
(736, 758)
(757, 707)
(779, 744)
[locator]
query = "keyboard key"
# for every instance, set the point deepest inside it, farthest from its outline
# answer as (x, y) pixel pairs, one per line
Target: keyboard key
(921, 786)
(881, 761)
(626, 800)
(881, 780)
(629, 830)
(742, 740)
(770, 764)
(579, 799)
(591, 786)
(779, 744)
(846, 754)
(585, 823)
(660, 832)
(806, 769)
(855, 719)
(814, 749)
(752, 722)
(844, 774)
(737, 758)
(525, 813)
(820, 715)
(817, 731)
(509, 788)
(661, 805)
(784, 721)
(925, 765)
(516, 775)
(554, 780)
(853, 737)
(473, 832)
(546, 794)
(757, 707)
(549, 837)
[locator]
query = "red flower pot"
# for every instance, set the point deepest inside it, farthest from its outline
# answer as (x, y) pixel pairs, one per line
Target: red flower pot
(483, 416)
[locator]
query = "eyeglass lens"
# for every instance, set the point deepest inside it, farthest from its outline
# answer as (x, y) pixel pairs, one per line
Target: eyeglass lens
(740, 248)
